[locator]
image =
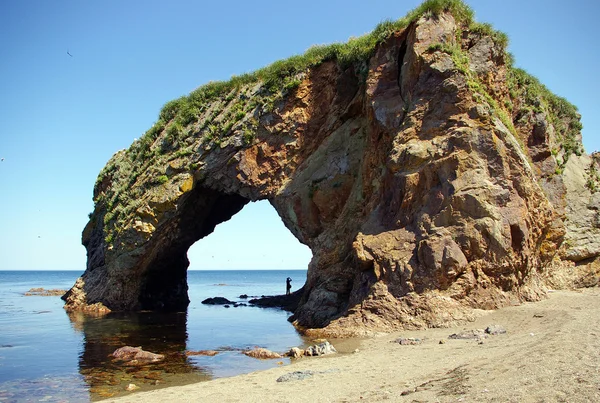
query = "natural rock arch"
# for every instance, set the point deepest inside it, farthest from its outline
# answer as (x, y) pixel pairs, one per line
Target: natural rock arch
(417, 197)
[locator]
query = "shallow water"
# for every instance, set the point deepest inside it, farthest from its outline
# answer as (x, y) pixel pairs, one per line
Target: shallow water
(45, 355)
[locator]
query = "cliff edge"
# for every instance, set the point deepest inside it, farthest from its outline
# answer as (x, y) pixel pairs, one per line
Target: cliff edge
(428, 176)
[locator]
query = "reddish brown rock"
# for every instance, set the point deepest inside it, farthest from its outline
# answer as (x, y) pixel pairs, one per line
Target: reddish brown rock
(261, 353)
(136, 355)
(426, 180)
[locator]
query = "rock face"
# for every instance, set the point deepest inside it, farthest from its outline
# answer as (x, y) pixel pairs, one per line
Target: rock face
(427, 176)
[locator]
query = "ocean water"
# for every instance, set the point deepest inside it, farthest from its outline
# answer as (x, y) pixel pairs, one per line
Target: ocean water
(47, 355)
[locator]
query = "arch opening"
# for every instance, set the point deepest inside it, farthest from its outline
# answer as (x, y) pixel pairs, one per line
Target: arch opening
(254, 239)
(207, 234)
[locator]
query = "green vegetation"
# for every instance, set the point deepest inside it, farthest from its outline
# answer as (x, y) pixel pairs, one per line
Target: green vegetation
(593, 181)
(524, 90)
(285, 75)
(536, 98)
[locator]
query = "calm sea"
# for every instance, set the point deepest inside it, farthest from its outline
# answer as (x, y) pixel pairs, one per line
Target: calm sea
(46, 355)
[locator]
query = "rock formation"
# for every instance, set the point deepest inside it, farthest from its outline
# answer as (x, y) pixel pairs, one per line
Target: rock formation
(427, 175)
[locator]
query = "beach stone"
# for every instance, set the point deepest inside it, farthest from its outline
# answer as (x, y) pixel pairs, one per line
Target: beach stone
(295, 352)
(410, 341)
(217, 301)
(132, 387)
(475, 334)
(495, 329)
(295, 376)
(244, 296)
(323, 348)
(261, 353)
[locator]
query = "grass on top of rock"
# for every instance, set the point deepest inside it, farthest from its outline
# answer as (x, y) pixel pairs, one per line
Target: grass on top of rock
(283, 75)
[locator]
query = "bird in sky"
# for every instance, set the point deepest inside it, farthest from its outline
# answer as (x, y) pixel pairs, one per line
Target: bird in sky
(1, 159)
(69, 53)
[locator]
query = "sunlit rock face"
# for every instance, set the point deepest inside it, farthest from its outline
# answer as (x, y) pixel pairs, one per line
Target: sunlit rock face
(421, 178)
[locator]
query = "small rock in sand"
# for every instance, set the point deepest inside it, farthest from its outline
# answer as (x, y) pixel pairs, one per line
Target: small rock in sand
(495, 329)
(410, 341)
(295, 376)
(469, 335)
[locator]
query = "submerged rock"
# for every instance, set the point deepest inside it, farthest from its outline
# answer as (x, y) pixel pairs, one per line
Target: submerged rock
(42, 292)
(208, 353)
(135, 355)
(261, 353)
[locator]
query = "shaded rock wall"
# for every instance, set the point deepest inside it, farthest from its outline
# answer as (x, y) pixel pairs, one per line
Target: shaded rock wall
(422, 179)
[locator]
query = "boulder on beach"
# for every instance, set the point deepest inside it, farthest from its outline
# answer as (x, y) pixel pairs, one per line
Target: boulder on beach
(217, 301)
(323, 348)
(295, 352)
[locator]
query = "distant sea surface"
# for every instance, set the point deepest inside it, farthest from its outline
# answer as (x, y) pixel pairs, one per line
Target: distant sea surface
(47, 355)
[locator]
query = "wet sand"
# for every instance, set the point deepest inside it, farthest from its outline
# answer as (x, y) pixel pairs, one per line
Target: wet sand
(550, 353)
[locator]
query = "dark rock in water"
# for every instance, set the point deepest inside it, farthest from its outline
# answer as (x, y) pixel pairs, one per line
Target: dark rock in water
(495, 329)
(217, 301)
(285, 302)
(244, 296)
(226, 306)
(320, 349)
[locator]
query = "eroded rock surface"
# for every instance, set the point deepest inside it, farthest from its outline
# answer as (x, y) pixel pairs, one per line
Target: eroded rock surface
(426, 179)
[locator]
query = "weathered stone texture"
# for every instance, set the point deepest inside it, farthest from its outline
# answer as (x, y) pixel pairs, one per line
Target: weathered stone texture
(417, 201)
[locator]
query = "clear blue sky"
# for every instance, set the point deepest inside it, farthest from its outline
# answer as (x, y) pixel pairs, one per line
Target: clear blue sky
(62, 117)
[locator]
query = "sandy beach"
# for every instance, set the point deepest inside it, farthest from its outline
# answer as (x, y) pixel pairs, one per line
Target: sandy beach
(549, 353)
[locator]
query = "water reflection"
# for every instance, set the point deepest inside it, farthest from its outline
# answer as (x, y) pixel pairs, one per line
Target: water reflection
(157, 332)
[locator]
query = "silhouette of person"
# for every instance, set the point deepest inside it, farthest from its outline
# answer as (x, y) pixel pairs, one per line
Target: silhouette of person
(288, 286)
